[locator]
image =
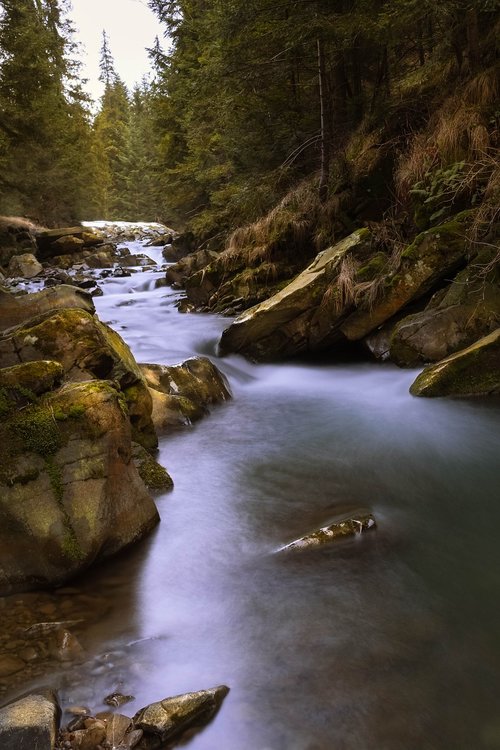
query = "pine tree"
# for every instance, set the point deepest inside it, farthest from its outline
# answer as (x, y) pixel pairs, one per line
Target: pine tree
(44, 122)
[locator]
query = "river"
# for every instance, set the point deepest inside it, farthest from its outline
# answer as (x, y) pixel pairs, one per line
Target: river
(390, 641)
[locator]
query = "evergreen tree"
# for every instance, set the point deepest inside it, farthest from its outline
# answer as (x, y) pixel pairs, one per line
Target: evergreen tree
(111, 142)
(44, 120)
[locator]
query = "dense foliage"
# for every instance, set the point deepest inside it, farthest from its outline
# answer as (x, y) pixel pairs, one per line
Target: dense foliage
(249, 99)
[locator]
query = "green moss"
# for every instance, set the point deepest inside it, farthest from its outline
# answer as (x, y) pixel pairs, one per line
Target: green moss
(76, 411)
(154, 476)
(37, 428)
(373, 268)
(55, 476)
(71, 547)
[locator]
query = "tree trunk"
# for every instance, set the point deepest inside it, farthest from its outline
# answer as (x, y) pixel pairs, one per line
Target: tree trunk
(324, 140)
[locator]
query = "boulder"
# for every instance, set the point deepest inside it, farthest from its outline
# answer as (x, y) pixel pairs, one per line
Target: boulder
(15, 310)
(70, 493)
(31, 722)
(474, 371)
(189, 265)
(182, 393)
(26, 266)
(172, 717)
(431, 257)
(468, 310)
(296, 319)
(51, 241)
(348, 291)
(347, 527)
(86, 348)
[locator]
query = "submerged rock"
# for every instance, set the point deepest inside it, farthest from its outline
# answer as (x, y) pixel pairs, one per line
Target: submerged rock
(31, 722)
(474, 371)
(334, 532)
(172, 717)
(69, 491)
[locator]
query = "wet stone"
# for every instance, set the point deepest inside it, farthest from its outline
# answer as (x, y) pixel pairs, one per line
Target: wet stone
(10, 665)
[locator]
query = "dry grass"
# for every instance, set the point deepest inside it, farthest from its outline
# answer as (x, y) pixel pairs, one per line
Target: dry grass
(19, 222)
(461, 130)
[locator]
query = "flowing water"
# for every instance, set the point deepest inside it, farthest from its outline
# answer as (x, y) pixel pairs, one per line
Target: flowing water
(387, 642)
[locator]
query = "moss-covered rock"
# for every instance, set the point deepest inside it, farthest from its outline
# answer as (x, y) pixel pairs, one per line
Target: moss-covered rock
(474, 371)
(22, 384)
(431, 257)
(15, 310)
(182, 393)
(305, 315)
(466, 311)
(154, 475)
(69, 490)
(349, 526)
(86, 348)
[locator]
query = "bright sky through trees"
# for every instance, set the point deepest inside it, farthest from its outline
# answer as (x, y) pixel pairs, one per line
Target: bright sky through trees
(131, 27)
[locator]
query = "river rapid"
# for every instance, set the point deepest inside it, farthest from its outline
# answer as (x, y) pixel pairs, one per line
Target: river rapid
(390, 641)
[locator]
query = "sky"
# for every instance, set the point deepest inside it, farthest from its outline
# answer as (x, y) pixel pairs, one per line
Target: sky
(131, 27)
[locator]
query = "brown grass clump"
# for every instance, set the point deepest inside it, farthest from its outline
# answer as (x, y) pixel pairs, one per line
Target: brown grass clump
(19, 222)
(461, 130)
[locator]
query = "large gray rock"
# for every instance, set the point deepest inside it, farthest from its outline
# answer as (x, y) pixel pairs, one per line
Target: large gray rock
(70, 493)
(15, 310)
(474, 371)
(171, 717)
(31, 722)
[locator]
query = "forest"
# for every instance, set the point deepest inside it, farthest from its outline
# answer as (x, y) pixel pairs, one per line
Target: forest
(394, 103)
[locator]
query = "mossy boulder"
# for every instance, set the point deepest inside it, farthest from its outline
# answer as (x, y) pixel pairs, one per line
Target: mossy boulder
(22, 384)
(86, 348)
(154, 475)
(306, 314)
(467, 310)
(70, 493)
(431, 257)
(474, 371)
(183, 393)
(15, 310)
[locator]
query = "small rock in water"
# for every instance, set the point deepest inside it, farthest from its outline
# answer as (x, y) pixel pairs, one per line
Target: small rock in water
(348, 527)
(118, 699)
(174, 716)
